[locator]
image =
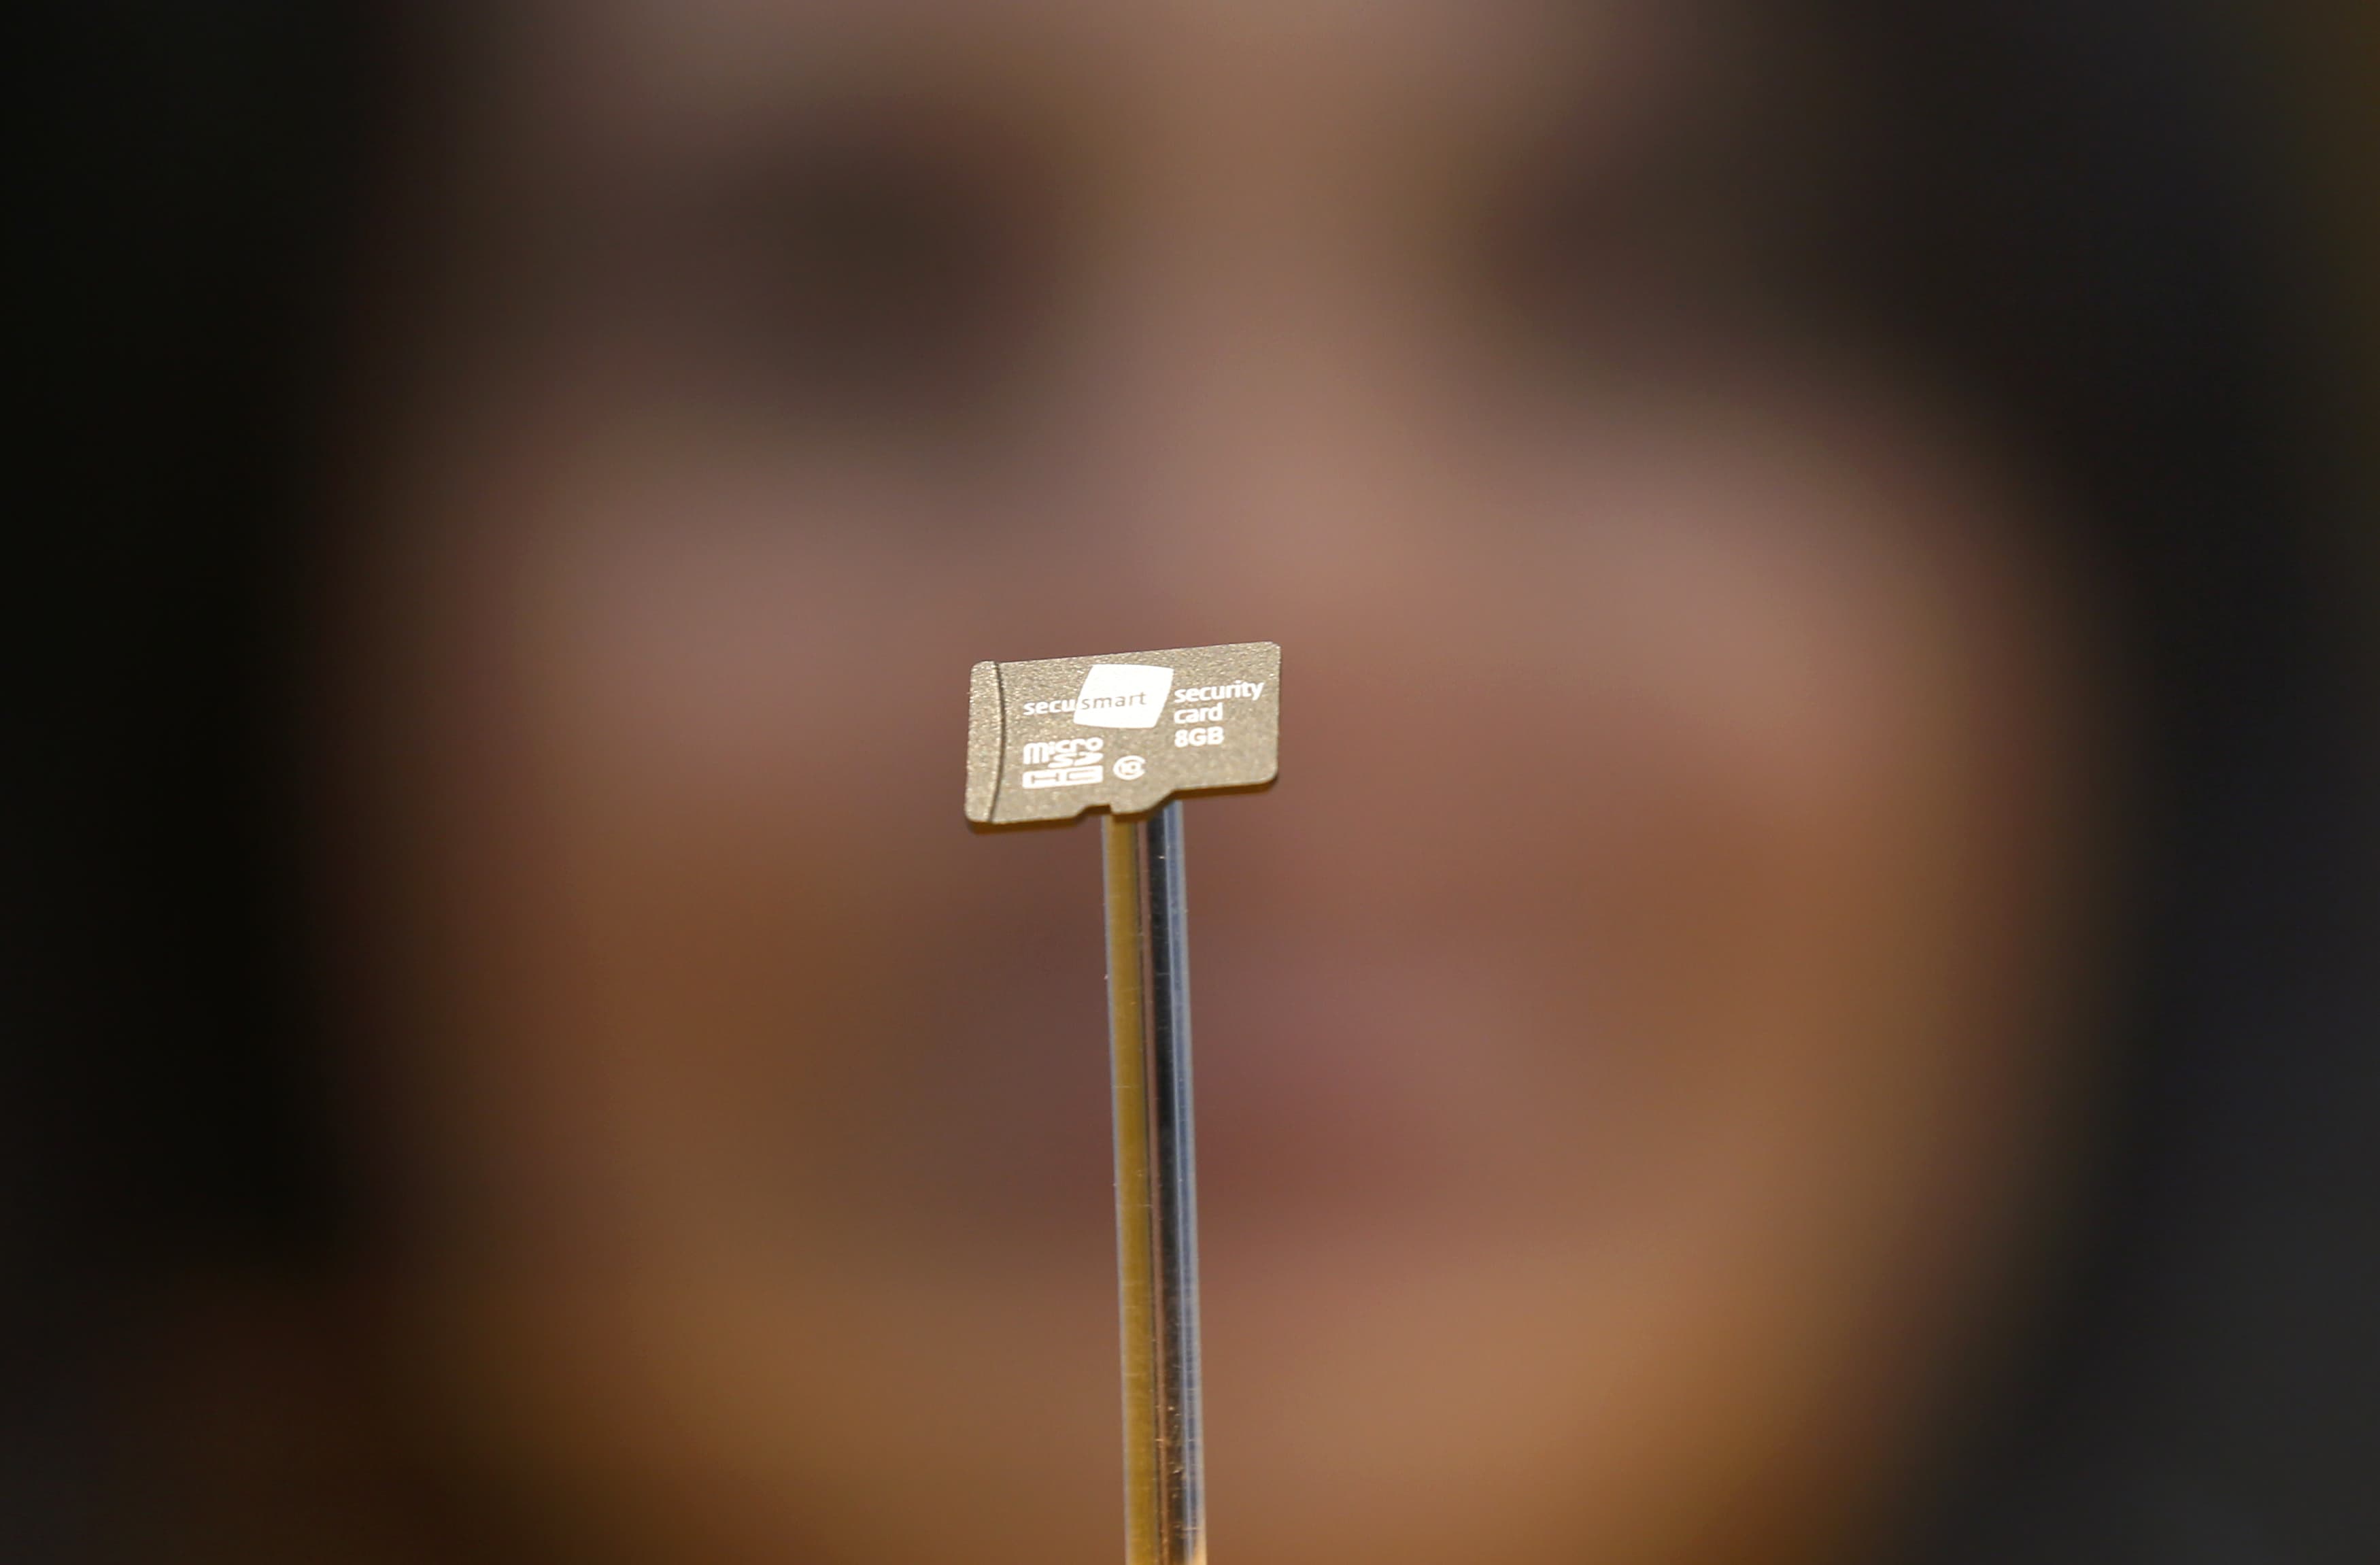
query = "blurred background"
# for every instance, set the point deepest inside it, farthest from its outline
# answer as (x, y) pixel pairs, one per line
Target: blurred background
(2328, 54)
(1806, 994)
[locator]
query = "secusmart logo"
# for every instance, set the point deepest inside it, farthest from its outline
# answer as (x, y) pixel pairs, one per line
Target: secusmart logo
(1122, 695)
(1115, 696)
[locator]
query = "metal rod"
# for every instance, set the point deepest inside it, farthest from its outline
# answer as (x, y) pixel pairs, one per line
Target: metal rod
(1157, 1203)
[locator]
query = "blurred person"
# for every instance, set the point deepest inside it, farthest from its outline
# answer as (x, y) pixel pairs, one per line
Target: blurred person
(1796, 999)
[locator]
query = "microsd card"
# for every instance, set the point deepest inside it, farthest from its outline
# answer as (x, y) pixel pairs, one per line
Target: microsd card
(1048, 740)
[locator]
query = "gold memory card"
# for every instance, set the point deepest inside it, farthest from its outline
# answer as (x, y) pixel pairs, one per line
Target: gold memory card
(1048, 740)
